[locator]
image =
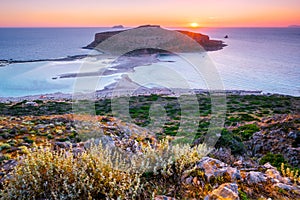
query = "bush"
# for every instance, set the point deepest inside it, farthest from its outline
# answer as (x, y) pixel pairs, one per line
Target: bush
(274, 159)
(246, 131)
(4, 146)
(231, 141)
(97, 172)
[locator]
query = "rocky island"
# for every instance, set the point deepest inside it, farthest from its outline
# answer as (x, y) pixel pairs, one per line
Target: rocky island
(203, 40)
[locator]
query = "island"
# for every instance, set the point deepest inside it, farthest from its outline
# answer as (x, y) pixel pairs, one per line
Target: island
(203, 40)
(118, 26)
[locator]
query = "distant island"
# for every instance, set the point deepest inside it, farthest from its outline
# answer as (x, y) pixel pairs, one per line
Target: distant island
(203, 40)
(118, 26)
(294, 26)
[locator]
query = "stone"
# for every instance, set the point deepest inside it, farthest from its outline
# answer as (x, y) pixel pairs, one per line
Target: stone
(288, 188)
(254, 178)
(269, 166)
(273, 173)
(23, 130)
(215, 168)
(31, 103)
(62, 145)
(163, 197)
(293, 135)
(224, 191)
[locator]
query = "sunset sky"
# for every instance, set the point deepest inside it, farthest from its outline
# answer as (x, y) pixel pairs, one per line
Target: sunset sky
(172, 13)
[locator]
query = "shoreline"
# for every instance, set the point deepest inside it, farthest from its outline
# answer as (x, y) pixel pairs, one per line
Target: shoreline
(143, 91)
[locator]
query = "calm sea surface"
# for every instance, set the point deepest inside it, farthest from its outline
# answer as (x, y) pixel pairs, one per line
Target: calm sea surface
(266, 59)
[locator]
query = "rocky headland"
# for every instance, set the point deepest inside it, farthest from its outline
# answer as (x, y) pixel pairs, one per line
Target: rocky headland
(202, 40)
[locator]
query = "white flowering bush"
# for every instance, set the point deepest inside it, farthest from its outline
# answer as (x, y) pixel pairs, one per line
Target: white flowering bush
(97, 173)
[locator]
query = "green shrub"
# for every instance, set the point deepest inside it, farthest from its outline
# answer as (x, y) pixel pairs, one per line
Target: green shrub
(274, 159)
(246, 131)
(4, 146)
(229, 140)
(243, 195)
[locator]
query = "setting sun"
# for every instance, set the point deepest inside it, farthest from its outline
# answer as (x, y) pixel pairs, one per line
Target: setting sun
(194, 25)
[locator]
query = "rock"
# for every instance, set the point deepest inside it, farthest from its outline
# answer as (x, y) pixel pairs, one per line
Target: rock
(163, 197)
(13, 131)
(254, 178)
(62, 145)
(288, 188)
(31, 103)
(223, 154)
(216, 168)
(23, 130)
(40, 126)
(293, 134)
(269, 166)
(224, 191)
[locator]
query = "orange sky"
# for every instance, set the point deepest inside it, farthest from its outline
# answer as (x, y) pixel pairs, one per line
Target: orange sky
(81, 13)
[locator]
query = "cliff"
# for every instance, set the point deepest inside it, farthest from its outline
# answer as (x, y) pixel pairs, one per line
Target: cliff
(203, 40)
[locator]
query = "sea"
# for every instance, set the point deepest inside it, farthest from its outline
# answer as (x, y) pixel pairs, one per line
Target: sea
(256, 59)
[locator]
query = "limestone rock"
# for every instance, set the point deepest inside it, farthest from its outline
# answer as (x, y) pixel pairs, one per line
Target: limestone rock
(254, 178)
(224, 191)
(216, 168)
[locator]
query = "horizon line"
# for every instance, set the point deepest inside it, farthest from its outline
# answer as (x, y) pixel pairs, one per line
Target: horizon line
(289, 26)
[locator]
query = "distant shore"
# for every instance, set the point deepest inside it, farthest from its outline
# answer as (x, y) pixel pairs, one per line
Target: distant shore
(108, 93)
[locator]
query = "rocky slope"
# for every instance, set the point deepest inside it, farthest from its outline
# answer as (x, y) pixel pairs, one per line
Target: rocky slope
(258, 130)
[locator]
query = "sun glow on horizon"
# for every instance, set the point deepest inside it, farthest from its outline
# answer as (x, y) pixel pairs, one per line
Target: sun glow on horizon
(194, 25)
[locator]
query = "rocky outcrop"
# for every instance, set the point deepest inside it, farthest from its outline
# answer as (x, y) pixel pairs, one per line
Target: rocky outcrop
(279, 135)
(203, 40)
(231, 182)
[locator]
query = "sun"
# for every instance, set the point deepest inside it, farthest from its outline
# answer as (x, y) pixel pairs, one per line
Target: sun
(194, 25)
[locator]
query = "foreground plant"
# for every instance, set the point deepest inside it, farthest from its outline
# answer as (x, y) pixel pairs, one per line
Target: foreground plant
(96, 173)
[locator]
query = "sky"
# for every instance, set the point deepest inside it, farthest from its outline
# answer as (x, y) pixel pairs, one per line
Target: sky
(169, 13)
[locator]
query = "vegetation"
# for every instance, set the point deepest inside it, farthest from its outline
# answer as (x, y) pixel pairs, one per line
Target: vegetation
(97, 172)
(274, 159)
(28, 133)
(293, 174)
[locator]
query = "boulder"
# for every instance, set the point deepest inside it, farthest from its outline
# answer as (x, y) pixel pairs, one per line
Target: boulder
(214, 168)
(288, 188)
(255, 178)
(224, 191)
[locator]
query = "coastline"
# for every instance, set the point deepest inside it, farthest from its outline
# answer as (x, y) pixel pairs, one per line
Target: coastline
(108, 93)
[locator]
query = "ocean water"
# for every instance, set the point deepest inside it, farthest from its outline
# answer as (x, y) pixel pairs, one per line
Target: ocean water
(266, 59)
(44, 43)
